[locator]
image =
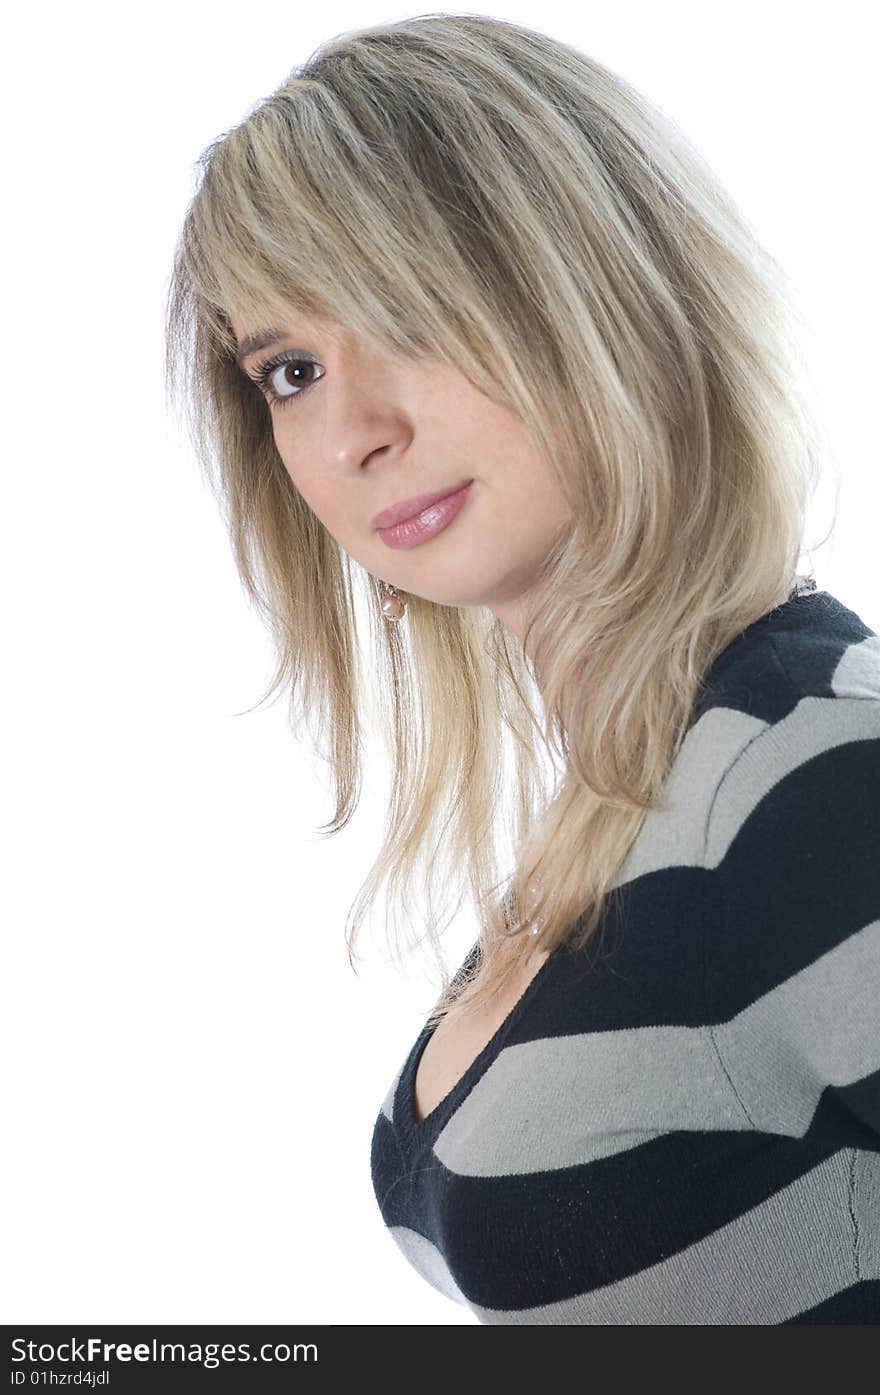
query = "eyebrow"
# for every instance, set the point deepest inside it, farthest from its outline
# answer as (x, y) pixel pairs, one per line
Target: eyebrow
(263, 339)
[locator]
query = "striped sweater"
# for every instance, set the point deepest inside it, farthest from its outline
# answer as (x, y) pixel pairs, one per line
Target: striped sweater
(680, 1123)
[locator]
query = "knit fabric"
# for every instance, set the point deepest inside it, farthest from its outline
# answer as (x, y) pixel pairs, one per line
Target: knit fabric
(680, 1123)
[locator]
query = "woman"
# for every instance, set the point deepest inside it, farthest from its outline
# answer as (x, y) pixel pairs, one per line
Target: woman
(472, 337)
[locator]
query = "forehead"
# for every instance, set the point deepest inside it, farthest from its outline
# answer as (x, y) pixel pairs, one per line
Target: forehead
(255, 332)
(249, 316)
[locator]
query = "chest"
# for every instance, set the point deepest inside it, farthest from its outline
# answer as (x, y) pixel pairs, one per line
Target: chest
(459, 1038)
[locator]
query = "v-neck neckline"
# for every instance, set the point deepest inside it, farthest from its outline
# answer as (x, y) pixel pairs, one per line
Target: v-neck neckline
(413, 1131)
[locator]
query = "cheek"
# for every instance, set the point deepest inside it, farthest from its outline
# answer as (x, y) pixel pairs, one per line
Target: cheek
(563, 514)
(325, 502)
(307, 484)
(538, 515)
(530, 497)
(323, 496)
(552, 504)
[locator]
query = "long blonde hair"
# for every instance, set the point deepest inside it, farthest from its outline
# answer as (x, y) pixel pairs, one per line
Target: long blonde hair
(458, 186)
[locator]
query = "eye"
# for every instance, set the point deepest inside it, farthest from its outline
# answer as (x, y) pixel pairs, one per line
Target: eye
(269, 379)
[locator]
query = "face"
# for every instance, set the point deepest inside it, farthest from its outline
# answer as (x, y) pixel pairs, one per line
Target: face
(359, 430)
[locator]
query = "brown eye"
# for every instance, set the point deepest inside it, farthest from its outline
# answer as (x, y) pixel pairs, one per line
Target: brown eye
(286, 378)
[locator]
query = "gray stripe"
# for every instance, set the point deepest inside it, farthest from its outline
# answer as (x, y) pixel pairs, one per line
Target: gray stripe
(814, 726)
(798, 1028)
(563, 1101)
(866, 1212)
(858, 673)
(674, 834)
(427, 1259)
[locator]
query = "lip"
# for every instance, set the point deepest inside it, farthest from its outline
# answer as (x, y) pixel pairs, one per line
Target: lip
(434, 519)
(408, 508)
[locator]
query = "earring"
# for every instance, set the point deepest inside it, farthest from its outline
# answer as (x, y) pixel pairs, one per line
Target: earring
(393, 607)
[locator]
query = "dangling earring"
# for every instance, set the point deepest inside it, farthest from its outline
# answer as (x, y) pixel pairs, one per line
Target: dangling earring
(393, 608)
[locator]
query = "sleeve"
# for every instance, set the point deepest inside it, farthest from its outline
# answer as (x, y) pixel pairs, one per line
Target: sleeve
(793, 950)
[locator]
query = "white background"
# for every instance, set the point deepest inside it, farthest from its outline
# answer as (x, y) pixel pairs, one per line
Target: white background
(191, 1072)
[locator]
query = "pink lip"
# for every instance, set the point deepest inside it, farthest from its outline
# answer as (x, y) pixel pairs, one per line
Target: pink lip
(408, 508)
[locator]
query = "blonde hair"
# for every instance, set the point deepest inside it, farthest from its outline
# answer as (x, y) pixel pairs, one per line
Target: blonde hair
(458, 186)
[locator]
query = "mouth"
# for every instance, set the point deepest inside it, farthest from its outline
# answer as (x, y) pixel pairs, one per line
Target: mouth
(432, 520)
(408, 508)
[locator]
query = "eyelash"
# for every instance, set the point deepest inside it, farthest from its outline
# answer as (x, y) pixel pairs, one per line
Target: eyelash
(263, 374)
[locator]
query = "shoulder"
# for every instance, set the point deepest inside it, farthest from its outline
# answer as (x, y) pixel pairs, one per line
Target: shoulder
(783, 713)
(795, 727)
